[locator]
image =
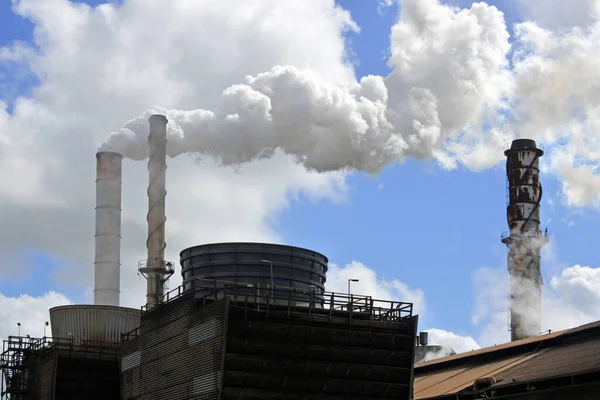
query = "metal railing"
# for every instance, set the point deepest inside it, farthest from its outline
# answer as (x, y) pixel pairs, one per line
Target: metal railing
(253, 296)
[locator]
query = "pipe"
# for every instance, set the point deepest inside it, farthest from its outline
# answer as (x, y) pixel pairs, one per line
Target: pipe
(157, 165)
(525, 239)
(107, 261)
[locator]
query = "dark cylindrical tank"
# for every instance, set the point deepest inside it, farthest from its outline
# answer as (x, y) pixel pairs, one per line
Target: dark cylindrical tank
(258, 264)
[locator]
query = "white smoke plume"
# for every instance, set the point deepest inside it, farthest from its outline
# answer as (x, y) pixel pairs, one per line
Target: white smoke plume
(448, 67)
(326, 126)
(569, 299)
(458, 92)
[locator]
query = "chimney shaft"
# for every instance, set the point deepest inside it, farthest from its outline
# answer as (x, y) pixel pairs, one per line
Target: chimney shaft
(525, 238)
(107, 263)
(157, 165)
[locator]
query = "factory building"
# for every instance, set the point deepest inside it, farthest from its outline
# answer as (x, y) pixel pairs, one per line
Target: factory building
(254, 321)
(563, 365)
(267, 331)
(251, 321)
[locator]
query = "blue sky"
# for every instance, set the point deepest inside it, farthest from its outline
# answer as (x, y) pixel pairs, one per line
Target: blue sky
(427, 227)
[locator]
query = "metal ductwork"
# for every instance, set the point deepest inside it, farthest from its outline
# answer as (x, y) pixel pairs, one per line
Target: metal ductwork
(107, 262)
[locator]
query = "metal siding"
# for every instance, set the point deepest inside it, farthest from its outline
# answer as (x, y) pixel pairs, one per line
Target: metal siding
(242, 262)
(205, 383)
(283, 354)
(204, 331)
(181, 352)
(131, 361)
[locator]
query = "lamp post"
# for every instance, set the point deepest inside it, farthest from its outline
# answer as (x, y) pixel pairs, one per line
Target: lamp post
(271, 264)
(350, 280)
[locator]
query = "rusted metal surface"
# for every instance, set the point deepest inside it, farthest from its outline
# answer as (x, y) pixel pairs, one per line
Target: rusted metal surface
(556, 362)
(107, 262)
(525, 238)
(83, 323)
(455, 379)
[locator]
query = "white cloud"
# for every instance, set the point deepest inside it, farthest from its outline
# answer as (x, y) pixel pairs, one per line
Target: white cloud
(458, 343)
(30, 312)
(450, 74)
(558, 14)
(369, 284)
(451, 96)
(94, 75)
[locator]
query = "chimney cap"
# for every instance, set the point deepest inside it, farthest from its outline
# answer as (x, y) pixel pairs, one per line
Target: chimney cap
(158, 118)
(109, 154)
(522, 145)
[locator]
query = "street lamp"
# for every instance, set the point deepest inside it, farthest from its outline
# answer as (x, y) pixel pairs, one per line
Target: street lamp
(271, 264)
(351, 280)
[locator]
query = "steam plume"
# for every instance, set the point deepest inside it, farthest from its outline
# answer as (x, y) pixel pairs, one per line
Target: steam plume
(327, 127)
(354, 126)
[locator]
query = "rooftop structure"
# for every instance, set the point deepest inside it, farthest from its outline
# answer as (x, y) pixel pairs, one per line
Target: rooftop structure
(230, 341)
(559, 365)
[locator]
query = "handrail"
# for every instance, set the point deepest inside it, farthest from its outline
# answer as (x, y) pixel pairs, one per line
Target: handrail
(291, 296)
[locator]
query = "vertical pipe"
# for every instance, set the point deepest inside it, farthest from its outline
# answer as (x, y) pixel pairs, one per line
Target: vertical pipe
(157, 165)
(107, 262)
(525, 239)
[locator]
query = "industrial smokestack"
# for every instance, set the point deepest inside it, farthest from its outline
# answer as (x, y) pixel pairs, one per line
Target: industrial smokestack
(155, 269)
(107, 262)
(525, 238)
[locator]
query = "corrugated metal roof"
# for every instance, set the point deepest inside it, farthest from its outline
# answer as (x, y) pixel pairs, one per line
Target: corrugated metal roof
(577, 351)
(569, 359)
(452, 380)
(492, 349)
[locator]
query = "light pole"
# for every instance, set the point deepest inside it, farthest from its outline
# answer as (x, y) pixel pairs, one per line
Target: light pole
(350, 280)
(271, 264)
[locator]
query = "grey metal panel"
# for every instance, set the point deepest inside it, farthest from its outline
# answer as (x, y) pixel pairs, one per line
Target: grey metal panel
(205, 383)
(131, 360)
(202, 332)
(92, 322)
(181, 352)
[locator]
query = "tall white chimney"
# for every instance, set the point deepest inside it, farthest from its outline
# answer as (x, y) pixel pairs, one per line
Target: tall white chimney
(107, 262)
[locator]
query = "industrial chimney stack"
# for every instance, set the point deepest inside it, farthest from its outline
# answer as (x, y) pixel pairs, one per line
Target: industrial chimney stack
(525, 239)
(155, 269)
(107, 262)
